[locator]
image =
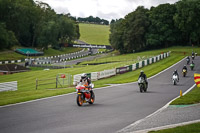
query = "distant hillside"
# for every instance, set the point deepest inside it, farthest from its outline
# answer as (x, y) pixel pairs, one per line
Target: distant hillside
(94, 34)
(95, 20)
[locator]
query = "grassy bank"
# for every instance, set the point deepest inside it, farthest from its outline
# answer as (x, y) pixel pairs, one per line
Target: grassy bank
(94, 34)
(27, 80)
(192, 97)
(191, 128)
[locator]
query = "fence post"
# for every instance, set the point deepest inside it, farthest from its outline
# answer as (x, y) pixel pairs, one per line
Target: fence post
(36, 83)
(56, 81)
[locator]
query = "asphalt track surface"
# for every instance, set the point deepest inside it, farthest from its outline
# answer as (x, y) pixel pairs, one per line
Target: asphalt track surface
(115, 107)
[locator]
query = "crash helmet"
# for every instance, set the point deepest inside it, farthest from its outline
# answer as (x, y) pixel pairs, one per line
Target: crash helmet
(83, 76)
(175, 71)
(141, 72)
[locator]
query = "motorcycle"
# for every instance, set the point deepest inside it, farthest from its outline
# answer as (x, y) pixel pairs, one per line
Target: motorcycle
(192, 57)
(85, 94)
(184, 72)
(175, 79)
(142, 84)
(188, 61)
(192, 66)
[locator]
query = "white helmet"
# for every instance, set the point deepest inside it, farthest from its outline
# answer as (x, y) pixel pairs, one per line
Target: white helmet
(83, 76)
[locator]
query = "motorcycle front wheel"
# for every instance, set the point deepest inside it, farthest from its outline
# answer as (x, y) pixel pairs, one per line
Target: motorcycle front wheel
(184, 74)
(92, 98)
(141, 88)
(174, 82)
(79, 100)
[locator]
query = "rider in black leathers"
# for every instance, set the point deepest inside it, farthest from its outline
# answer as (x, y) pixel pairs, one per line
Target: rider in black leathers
(184, 67)
(188, 60)
(144, 76)
(176, 73)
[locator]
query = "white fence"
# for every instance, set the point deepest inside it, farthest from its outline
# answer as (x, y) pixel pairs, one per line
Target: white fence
(96, 75)
(111, 72)
(106, 73)
(8, 86)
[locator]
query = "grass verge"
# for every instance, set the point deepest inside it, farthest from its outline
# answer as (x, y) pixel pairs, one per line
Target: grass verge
(192, 97)
(191, 128)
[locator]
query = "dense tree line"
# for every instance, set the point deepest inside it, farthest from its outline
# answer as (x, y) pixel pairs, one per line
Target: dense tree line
(162, 26)
(92, 19)
(34, 24)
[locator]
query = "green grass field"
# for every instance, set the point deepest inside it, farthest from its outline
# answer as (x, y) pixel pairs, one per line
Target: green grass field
(94, 34)
(27, 80)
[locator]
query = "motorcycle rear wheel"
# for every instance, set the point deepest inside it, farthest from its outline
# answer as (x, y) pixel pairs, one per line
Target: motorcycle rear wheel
(79, 100)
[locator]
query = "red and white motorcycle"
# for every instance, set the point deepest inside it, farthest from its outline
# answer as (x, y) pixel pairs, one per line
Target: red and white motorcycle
(85, 93)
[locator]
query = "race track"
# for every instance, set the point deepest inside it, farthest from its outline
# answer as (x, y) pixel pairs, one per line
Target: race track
(115, 107)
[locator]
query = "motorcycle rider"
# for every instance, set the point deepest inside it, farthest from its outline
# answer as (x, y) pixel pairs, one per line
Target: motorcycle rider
(193, 55)
(176, 73)
(84, 78)
(188, 60)
(184, 67)
(144, 76)
(192, 63)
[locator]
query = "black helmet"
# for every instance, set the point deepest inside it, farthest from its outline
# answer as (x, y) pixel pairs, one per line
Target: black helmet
(83, 76)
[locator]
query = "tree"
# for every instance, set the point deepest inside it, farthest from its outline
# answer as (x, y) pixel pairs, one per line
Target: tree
(137, 23)
(7, 38)
(116, 36)
(36, 24)
(68, 30)
(48, 35)
(188, 21)
(162, 30)
(128, 35)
